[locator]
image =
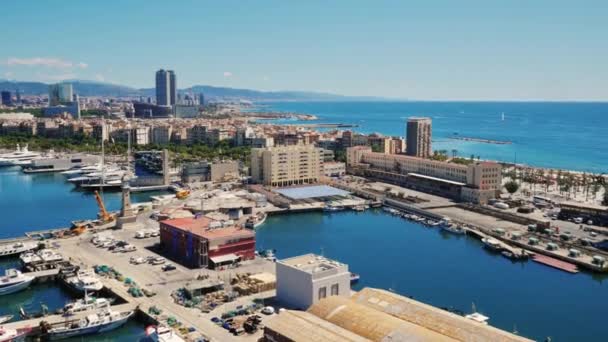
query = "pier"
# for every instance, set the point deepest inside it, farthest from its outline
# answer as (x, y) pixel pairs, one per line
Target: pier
(555, 263)
(481, 140)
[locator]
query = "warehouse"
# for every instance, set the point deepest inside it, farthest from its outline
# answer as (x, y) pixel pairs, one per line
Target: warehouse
(197, 243)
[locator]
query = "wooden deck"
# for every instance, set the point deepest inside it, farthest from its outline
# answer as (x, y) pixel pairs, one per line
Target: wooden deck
(555, 263)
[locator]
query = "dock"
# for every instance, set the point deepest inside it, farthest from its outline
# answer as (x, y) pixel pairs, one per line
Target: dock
(555, 263)
(149, 188)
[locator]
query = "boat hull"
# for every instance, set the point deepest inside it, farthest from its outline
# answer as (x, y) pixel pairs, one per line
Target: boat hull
(98, 329)
(15, 288)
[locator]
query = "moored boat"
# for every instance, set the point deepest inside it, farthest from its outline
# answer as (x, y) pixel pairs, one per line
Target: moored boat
(14, 281)
(85, 304)
(333, 208)
(161, 334)
(99, 322)
(85, 281)
(17, 248)
(492, 244)
(256, 220)
(5, 318)
(453, 228)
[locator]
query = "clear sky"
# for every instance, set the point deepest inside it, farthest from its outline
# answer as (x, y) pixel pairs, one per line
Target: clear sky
(426, 49)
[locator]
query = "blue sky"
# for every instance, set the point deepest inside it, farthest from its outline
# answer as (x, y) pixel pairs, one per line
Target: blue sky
(468, 49)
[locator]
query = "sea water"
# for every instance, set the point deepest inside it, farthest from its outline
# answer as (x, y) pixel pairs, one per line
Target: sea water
(565, 135)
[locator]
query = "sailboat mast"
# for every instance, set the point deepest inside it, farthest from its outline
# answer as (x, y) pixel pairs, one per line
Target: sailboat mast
(103, 157)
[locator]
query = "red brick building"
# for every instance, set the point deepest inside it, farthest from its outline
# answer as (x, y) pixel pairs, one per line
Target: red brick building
(193, 243)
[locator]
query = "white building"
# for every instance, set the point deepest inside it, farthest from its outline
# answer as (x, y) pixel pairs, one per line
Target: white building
(304, 280)
(141, 135)
(286, 165)
(334, 169)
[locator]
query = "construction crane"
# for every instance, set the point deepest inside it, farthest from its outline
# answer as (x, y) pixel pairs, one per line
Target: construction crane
(103, 215)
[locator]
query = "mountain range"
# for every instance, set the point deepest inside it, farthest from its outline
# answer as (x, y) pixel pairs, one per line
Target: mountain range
(93, 88)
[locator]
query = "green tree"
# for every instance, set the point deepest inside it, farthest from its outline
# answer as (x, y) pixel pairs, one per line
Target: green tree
(512, 186)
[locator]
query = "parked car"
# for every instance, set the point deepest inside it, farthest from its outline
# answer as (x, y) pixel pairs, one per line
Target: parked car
(169, 267)
(269, 310)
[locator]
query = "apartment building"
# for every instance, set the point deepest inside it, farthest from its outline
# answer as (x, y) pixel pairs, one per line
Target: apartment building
(286, 165)
(419, 137)
(476, 182)
(160, 135)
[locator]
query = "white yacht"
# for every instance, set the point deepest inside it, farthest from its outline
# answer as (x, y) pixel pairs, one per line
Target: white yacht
(48, 255)
(21, 156)
(85, 281)
(30, 258)
(85, 304)
(17, 248)
(14, 281)
(491, 244)
(162, 334)
(101, 321)
(84, 170)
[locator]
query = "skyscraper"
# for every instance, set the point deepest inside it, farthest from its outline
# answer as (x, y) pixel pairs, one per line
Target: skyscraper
(201, 99)
(173, 87)
(60, 93)
(419, 137)
(166, 88)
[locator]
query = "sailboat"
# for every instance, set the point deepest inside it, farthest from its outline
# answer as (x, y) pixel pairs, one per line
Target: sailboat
(503, 116)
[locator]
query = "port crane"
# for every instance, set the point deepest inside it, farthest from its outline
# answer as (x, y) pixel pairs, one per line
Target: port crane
(103, 214)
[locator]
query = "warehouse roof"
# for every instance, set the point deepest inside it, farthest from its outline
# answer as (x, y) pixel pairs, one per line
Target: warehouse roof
(200, 226)
(303, 326)
(314, 191)
(432, 318)
(370, 323)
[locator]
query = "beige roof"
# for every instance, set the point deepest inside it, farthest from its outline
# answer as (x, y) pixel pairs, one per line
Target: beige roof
(303, 326)
(370, 323)
(429, 317)
(264, 277)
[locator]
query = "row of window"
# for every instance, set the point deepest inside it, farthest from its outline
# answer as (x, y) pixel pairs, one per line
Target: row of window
(335, 290)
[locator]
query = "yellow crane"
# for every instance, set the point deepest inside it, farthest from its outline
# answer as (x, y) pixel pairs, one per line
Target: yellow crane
(103, 215)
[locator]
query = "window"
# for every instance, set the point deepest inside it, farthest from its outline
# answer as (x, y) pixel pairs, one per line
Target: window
(322, 292)
(335, 289)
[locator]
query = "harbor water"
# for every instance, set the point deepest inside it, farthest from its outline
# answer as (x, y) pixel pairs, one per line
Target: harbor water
(30, 202)
(562, 135)
(448, 271)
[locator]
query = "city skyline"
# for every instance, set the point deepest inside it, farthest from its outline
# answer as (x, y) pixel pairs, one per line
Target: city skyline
(439, 51)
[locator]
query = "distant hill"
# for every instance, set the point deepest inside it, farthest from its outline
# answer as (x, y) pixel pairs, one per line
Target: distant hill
(83, 88)
(93, 88)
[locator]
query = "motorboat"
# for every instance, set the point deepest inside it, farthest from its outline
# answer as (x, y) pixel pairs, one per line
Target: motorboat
(354, 277)
(492, 244)
(101, 321)
(85, 281)
(333, 208)
(85, 304)
(81, 170)
(6, 318)
(161, 334)
(17, 248)
(49, 256)
(13, 335)
(453, 228)
(256, 220)
(21, 156)
(14, 281)
(30, 258)
(477, 317)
